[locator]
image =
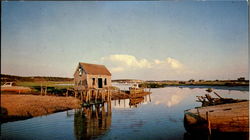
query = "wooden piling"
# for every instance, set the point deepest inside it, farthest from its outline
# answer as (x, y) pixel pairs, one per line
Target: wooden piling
(75, 93)
(208, 124)
(45, 90)
(96, 93)
(41, 89)
(96, 111)
(81, 96)
(67, 94)
(87, 96)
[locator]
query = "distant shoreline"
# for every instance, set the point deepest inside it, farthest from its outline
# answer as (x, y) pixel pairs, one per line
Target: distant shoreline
(230, 84)
(239, 88)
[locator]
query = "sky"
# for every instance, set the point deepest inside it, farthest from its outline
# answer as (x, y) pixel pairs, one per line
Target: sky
(155, 40)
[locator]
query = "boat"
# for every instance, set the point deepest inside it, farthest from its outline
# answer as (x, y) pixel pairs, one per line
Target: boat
(134, 89)
(218, 115)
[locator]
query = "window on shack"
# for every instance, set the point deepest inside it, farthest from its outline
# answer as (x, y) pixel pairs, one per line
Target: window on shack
(93, 81)
(80, 71)
(105, 81)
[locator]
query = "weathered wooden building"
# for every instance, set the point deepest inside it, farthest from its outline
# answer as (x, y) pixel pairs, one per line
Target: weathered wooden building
(89, 76)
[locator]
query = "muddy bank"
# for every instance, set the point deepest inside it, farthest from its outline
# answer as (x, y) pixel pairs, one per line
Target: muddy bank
(16, 107)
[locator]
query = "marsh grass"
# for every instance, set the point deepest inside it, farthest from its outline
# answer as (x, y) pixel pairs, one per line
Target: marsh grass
(32, 105)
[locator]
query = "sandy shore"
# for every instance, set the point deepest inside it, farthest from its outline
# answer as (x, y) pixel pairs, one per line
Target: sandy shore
(16, 107)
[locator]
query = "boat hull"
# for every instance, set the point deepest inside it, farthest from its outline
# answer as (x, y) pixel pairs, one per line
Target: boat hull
(232, 117)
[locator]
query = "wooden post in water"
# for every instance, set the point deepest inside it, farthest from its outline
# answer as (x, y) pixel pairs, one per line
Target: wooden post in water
(103, 108)
(67, 93)
(75, 91)
(208, 125)
(107, 95)
(89, 94)
(45, 90)
(84, 94)
(86, 98)
(103, 95)
(96, 93)
(81, 95)
(110, 95)
(41, 89)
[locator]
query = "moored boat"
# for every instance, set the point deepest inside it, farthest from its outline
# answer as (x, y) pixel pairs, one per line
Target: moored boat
(134, 89)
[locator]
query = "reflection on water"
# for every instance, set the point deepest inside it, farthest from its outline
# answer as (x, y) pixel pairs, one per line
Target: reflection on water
(131, 102)
(171, 98)
(92, 121)
(155, 116)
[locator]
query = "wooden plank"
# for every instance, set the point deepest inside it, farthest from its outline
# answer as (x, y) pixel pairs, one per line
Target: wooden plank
(231, 117)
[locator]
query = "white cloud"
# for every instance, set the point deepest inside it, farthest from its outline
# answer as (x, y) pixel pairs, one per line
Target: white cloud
(156, 61)
(119, 63)
(174, 63)
(127, 61)
(169, 62)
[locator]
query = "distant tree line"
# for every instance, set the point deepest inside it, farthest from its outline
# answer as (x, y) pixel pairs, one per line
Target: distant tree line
(10, 78)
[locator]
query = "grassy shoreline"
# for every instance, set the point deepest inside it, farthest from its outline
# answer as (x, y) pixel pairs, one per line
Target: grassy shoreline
(17, 107)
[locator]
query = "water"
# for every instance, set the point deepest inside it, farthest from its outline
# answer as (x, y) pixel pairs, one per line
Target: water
(157, 116)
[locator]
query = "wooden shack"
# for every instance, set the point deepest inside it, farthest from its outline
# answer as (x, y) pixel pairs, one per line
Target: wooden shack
(91, 76)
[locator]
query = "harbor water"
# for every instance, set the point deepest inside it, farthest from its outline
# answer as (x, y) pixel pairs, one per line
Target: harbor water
(155, 116)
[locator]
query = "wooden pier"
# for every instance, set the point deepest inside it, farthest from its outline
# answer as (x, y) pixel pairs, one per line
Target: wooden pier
(90, 97)
(99, 96)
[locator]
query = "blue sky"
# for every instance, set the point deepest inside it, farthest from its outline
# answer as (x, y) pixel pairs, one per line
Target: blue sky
(141, 40)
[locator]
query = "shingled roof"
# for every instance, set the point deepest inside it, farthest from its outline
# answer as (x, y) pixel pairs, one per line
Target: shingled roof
(95, 69)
